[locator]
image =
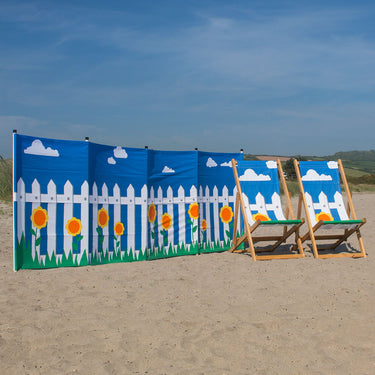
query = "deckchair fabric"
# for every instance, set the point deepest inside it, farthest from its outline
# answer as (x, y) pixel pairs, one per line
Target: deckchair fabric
(322, 198)
(259, 200)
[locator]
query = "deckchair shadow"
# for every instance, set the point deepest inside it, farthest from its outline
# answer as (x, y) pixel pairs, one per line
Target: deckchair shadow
(258, 202)
(322, 199)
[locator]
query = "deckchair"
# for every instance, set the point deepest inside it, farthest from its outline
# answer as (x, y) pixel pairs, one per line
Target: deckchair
(258, 199)
(322, 199)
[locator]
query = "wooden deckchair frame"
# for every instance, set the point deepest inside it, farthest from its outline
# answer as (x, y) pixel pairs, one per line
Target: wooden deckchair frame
(340, 238)
(279, 239)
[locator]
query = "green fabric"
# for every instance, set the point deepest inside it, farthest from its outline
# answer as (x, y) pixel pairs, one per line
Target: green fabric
(282, 222)
(342, 222)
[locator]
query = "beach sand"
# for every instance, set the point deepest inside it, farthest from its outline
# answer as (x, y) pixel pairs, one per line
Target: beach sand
(209, 314)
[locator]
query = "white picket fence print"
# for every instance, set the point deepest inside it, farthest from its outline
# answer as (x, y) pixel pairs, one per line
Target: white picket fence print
(326, 206)
(263, 207)
(68, 199)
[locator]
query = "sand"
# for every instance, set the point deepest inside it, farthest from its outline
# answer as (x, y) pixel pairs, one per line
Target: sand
(207, 314)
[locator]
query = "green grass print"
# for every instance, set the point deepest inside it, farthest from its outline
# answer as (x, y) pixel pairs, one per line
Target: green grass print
(24, 259)
(180, 250)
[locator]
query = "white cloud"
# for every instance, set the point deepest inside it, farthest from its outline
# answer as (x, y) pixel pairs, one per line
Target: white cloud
(111, 160)
(312, 175)
(250, 175)
(120, 153)
(166, 169)
(271, 164)
(226, 164)
(37, 148)
(211, 163)
(332, 165)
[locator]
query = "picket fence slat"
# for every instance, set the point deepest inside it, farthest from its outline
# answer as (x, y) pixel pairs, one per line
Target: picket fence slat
(51, 224)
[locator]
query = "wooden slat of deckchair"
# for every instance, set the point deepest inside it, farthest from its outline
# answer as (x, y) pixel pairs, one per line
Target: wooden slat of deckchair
(341, 255)
(234, 242)
(351, 206)
(280, 256)
(310, 233)
(243, 209)
(346, 235)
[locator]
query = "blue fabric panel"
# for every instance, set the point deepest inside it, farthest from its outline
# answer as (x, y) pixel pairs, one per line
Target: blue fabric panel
(320, 176)
(215, 169)
(49, 159)
(258, 177)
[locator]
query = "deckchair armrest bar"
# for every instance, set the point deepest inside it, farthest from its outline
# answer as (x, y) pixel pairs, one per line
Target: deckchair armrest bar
(281, 222)
(342, 222)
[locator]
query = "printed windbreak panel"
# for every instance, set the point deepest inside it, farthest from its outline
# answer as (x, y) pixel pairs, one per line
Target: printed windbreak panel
(173, 211)
(80, 203)
(216, 195)
(118, 204)
(51, 202)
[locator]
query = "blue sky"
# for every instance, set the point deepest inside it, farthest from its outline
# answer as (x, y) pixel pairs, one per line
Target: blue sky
(271, 77)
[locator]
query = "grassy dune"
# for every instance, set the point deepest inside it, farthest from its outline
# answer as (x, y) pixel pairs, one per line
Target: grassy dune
(5, 179)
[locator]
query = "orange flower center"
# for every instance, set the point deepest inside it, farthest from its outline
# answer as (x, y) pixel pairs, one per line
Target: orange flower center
(261, 217)
(39, 218)
(226, 214)
(102, 218)
(119, 229)
(323, 216)
(204, 225)
(166, 221)
(74, 226)
(194, 211)
(152, 213)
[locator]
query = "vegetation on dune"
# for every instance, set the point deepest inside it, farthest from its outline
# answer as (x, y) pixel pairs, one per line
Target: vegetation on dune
(5, 179)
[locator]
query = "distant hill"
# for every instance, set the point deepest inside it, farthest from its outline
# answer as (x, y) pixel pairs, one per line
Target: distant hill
(359, 162)
(353, 155)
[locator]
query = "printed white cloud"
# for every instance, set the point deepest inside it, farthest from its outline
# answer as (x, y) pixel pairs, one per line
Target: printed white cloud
(111, 160)
(211, 163)
(271, 164)
(332, 165)
(120, 153)
(312, 175)
(167, 170)
(250, 175)
(37, 148)
(226, 164)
